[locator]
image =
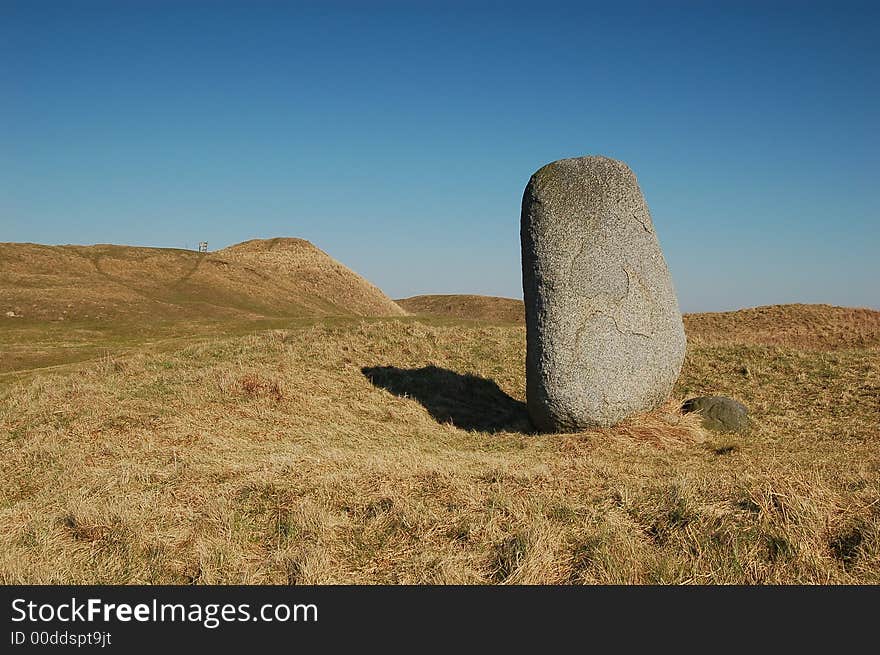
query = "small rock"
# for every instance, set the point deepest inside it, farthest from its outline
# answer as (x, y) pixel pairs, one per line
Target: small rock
(10, 314)
(719, 413)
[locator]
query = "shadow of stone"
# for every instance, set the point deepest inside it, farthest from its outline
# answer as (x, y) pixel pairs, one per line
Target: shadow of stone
(467, 401)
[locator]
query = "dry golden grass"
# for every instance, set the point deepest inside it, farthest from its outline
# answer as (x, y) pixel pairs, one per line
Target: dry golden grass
(398, 452)
(463, 306)
(108, 284)
(797, 326)
(312, 277)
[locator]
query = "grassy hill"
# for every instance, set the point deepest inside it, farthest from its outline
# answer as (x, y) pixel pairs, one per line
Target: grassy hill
(255, 279)
(75, 303)
(483, 308)
(398, 450)
(798, 325)
(807, 326)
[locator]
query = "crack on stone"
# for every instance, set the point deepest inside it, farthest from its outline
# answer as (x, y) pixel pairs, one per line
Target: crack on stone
(642, 223)
(628, 282)
(598, 312)
(616, 301)
(577, 337)
(574, 259)
(617, 326)
(612, 301)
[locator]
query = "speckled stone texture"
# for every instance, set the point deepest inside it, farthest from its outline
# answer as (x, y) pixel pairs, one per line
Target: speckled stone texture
(605, 338)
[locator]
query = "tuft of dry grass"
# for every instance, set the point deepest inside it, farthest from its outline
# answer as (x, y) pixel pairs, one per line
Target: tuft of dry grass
(395, 452)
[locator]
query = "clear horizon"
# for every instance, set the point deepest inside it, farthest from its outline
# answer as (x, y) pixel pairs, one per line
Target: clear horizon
(398, 138)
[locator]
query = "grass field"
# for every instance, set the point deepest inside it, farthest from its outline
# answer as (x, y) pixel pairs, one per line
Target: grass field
(397, 450)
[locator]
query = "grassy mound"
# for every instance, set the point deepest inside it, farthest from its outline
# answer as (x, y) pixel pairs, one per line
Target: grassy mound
(802, 326)
(463, 306)
(255, 279)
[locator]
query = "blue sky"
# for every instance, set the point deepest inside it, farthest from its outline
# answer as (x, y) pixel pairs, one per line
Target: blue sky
(398, 136)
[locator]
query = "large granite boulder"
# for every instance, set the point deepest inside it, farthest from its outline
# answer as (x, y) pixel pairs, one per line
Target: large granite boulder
(605, 338)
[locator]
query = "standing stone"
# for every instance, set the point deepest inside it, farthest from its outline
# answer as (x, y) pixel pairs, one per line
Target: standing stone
(605, 338)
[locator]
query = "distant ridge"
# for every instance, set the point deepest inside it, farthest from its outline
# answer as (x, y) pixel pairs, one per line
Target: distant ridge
(795, 325)
(800, 325)
(282, 277)
(487, 308)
